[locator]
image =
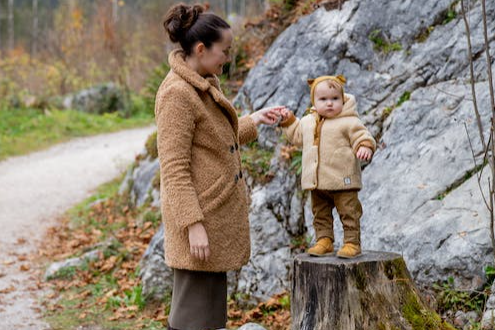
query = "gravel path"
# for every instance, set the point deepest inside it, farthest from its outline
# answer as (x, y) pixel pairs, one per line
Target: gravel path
(34, 190)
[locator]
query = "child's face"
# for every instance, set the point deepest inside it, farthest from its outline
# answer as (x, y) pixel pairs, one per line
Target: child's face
(328, 100)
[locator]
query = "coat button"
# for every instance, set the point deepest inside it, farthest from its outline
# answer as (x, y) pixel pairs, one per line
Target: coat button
(236, 178)
(232, 149)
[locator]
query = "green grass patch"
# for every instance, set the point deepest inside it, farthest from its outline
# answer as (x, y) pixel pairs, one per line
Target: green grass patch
(70, 316)
(382, 43)
(25, 130)
(256, 161)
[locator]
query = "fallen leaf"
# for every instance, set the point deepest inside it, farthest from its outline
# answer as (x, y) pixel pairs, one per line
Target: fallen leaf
(25, 268)
(21, 241)
(7, 290)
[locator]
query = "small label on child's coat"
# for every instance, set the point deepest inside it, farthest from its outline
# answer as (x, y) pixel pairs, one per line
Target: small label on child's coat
(347, 181)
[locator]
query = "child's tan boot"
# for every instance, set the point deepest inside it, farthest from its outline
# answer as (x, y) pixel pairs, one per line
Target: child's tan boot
(323, 247)
(349, 250)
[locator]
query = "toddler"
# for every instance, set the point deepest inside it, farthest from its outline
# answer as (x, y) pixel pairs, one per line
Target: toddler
(333, 141)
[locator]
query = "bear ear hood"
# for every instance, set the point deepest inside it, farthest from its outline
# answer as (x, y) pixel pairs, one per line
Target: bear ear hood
(339, 79)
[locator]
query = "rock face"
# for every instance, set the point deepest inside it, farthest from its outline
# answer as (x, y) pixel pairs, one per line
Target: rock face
(100, 99)
(418, 197)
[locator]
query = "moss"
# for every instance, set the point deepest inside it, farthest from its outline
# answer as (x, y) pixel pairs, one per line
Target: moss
(155, 183)
(461, 181)
(382, 43)
(256, 161)
(396, 270)
(406, 96)
(422, 318)
(151, 146)
(361, 278)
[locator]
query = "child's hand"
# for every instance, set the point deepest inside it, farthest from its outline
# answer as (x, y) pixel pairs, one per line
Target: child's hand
(364, 153)
(284, 112)
(267, 116)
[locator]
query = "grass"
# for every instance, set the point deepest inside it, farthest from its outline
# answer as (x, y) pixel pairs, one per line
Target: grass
(106, 292)
(381, 42)
(24, 130)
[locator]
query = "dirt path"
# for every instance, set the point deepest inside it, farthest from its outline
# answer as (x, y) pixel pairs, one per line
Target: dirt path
(34, 190)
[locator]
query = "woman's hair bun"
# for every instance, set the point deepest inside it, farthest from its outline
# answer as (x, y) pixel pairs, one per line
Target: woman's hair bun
(180, 18)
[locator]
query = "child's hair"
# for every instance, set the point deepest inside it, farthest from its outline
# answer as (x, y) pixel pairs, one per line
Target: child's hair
(189, 25)
(336, 82)
(336, 85)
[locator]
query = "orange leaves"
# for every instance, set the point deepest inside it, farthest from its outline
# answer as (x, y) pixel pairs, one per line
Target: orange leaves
(25, 267)
(7, 290)
(286, 152)
(274, 313)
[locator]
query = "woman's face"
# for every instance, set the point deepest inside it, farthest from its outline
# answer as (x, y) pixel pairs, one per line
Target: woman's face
(212, 59)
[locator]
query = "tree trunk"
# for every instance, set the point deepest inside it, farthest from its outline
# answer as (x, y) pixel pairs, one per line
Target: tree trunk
(372, 292)
(11, 24)
(115, 11)
(34, 42)
(1, 20)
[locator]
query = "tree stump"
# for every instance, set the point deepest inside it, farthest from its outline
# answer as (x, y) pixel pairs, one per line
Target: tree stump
(373, 291)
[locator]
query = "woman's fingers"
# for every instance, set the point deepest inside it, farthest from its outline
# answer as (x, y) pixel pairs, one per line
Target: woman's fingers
(198, 241)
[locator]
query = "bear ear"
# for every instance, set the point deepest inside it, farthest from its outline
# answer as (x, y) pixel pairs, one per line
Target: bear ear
(341, 78)
(310, 82)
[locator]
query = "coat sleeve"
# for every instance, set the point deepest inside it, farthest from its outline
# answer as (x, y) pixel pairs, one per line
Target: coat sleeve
(175, 119)
(293, 130)
(247, 130)
(360, 136)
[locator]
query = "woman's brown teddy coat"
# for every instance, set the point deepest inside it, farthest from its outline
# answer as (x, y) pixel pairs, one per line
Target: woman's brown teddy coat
(199, 135)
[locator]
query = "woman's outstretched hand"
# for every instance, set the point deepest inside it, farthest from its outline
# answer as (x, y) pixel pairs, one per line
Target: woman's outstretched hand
(268, 116)
(198, 241)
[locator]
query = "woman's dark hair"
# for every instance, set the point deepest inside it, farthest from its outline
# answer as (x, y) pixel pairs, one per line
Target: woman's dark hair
(188, 25)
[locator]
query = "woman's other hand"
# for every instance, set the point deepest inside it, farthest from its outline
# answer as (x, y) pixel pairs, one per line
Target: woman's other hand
(267, 116)
(198, 241)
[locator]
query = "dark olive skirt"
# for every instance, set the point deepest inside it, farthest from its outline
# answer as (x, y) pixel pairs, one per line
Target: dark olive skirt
(199, 300)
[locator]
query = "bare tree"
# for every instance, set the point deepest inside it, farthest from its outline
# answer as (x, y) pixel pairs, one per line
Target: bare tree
(488, 148)
(11, 24)
(115, 11)
(1, 18)
(34, 42)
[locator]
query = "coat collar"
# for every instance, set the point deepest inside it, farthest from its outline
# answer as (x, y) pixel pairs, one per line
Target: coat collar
(209, 84)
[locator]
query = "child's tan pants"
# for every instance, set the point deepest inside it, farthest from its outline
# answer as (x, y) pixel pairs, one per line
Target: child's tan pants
(348, 207)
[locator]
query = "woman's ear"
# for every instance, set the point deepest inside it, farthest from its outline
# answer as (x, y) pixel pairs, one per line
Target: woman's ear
(199, 49)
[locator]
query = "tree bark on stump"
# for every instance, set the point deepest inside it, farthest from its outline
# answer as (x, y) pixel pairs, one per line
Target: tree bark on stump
(371, 292)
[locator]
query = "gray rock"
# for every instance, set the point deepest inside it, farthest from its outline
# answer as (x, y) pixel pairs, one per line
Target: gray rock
(56, 267)
(463, 319)
(105, 98)
(139, 182)
(424, 150)
(156, 276)
(251, 326)
(418, 198)
(488, 318)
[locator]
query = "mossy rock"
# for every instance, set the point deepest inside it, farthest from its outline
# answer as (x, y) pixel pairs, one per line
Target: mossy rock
(151, 146)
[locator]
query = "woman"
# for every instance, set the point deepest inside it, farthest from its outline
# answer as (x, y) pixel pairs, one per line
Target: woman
(203, 194)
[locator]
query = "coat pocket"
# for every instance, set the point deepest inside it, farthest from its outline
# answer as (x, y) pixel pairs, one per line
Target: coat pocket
(211, 190)
(343, 162)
